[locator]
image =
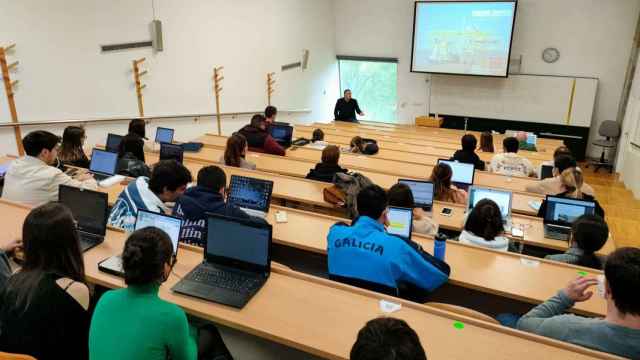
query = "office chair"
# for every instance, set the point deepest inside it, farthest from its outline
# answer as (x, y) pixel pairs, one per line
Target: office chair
(610, 130)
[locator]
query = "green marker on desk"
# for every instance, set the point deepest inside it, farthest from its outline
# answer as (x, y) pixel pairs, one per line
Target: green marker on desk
(458, 325)
(583, 273)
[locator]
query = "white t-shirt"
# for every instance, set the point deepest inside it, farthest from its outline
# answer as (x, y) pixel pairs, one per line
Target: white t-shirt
(511, 164)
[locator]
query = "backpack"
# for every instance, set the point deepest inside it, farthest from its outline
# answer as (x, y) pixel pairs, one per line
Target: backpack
(350, 185)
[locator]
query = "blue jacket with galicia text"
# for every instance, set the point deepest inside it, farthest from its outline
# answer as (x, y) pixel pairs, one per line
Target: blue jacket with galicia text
(365, 251)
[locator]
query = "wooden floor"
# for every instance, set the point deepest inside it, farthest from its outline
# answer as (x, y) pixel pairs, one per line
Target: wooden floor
(622, 210)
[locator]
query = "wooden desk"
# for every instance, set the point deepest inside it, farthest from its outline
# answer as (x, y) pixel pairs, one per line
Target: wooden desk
(369, 167)
(443, 150)
(323, 317)
(471, 267)
(435, 138)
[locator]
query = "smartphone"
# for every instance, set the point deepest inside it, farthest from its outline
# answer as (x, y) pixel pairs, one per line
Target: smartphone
(446, 211)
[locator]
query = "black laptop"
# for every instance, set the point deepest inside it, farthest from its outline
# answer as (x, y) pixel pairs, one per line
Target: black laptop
(561, 213)
(251, 195)
(90, 210)
(103, 164)
(237, 262)
(164, 135)
(113, 143)
(546, 171)
(171, 152)
(422, 192)
(282, 134)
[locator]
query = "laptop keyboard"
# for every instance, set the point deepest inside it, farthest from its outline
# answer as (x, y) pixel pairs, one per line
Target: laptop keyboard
(556, 234)
(88, 240)
(100, 177)
(223, 279)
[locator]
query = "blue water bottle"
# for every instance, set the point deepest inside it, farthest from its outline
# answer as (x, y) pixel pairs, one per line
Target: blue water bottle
(440, 246)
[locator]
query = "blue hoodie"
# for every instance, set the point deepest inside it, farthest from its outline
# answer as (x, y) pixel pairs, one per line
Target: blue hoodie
(365, 251)
(193, 207)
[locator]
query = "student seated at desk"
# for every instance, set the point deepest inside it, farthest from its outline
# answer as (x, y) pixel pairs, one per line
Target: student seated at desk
(365, 255)
(235, 153)
(618, 332)
(270, 113)
(44, 306)
(553, 185)
(484, 227)
(259, 138)
(589, 233)
(486, 142)
(317, 140)
(207, 197)
(400, 195)
(32, 180)
(468, 155)
(137, 133)
(572, 182)
(134, 323)
(443, 189)
(71, 150)
(168, 181)
(363, 146)
(387, 338)
(129, 154)
(326, 170)
(7, 246)
(510, 163)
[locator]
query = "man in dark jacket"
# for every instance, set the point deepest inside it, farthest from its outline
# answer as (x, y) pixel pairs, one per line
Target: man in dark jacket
(468, 153)
(325, 170)
(206, 197)
(259, 138)
(346, 108)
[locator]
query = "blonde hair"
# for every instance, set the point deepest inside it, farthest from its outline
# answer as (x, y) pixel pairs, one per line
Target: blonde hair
(572, 180)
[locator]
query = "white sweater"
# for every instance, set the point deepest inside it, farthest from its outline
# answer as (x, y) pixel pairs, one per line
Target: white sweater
(499, 243)
(31, 181)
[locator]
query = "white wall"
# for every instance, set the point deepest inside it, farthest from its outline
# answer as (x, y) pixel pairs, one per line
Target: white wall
(628, 164)
(593, 36)
(63, 75)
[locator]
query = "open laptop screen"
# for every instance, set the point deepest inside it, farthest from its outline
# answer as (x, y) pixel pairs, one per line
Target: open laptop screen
(462, 173)
(103, 162)
(532, 139)
(250, 193)
(113, 142)
(90, 209)
(400, 222)
(422, 192)
(282, 134)
(164, 135)
(238, 243)
(171, 152)
(501, 198)
(169, 224)
(546, 171)
(564, 211)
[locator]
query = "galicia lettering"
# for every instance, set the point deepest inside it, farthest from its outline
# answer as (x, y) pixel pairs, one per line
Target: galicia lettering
(353, 243)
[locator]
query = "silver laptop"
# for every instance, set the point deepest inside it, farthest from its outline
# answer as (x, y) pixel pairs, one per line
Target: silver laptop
(561, 213)
(169, 224)
(252, 195)
(501, 197)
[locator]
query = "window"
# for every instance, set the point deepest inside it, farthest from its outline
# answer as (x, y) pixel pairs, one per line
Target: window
(373, 82)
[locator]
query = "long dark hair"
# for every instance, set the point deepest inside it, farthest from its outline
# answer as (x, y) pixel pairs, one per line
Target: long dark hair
(486, 142)
(485, 220)
(138, 126)
(71, 147)
(133, 144)
(441, 177)
(234, 152)
(51, 246)
(400, 195)
(590, 232)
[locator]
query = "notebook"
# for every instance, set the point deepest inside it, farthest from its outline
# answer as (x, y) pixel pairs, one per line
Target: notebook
(237, 262)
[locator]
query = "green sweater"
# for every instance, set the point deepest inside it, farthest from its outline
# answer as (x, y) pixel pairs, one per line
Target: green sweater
(134, 323)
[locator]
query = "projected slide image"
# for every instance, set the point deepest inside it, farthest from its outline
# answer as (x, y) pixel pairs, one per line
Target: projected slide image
(463, 38)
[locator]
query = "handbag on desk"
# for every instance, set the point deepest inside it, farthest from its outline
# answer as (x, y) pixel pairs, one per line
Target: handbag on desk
(334, 195)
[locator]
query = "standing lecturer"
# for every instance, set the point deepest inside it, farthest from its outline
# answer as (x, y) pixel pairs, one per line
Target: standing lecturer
(346, 108)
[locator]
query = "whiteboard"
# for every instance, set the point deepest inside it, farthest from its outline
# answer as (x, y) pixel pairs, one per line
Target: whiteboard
(530, 98)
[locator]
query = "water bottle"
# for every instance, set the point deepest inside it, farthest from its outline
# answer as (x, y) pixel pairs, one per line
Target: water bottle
(440, 246)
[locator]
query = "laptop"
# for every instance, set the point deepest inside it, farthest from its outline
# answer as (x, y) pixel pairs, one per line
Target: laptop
(103, 164)
(463, 173)
(561, 213)
(502, 198)
(237, 262)
(252, 195)
(169, 224)
(282, 134)
(170, 151)
(113, 143)
(532, 139)
(164, 135)
(546, 171)
(422, 192)
(90, 210)
(400, 222)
